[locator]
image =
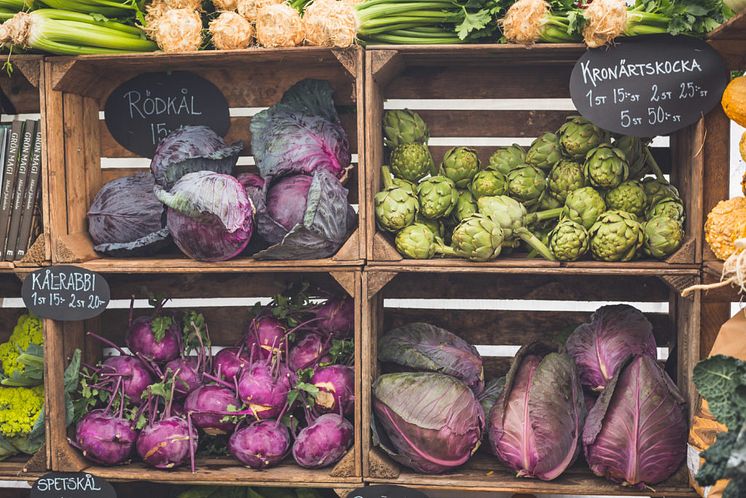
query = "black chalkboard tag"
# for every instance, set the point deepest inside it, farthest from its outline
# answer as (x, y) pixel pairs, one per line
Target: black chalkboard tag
(385, 491)
(71, 485)
(648, 85)
(142, 111)
(65, 293)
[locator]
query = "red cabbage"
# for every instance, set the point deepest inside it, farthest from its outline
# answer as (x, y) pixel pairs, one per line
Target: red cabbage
(209, 216)
(535, 425)
(190, 149)
(599, 347)
(432, 422)
(127, 219)
(422, 346)
(637, 430)
(324, 442)
(300, 134)
(286, 205)
(261, 444)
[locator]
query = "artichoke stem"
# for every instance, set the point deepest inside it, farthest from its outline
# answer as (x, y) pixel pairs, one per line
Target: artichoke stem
(533, 241)
(445, 250)
(386, 176)
(549, 214)
(654, 165)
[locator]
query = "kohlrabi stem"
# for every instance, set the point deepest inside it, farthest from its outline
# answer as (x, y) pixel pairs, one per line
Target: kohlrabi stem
(132, 311)
(108, 343)
(217, 380)
(113, 395)
(192, 449)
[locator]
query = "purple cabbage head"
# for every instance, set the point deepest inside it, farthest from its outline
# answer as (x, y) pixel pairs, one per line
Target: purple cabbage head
(190, 149)
(209, 216)
(188, 377)
(266, 336)
(336, 384)
(491, 394)
(260, 445)
(637, 430)
(229, 362)
(264, 388)
(300, 134)
(127, 219)
(208, 406)
(601, 346)
(104, 438)
(425, 347)
(535, 425)
(324, 442)
(166, 443)
(254, 186)
(136, 377)
(307, 351)
(432, 422)
(336, 317)
(305, 217)
(156, 338)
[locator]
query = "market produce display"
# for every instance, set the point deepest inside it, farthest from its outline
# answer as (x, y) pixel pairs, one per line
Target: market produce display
(572, 194)
(294, 208)
(287, 386)
(22, 390)
(603, 394)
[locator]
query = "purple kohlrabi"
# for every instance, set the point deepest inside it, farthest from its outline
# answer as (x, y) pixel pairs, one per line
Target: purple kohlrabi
(336, 384)
(187, 375)
(324, 442)
(336, 317)
(307, 351)
(229, 362)
(260, 445)
(136, 377)
(208, 406)
(166, 443)
(156, 338)
(105, 438)
(264, 388)
(266, 336)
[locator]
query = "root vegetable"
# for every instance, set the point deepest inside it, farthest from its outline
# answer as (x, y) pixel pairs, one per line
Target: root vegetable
(176, 30)
(261, 444)
(264, 388)
(336, 384)
(207, 406)
(225, 4)
(166, 443)
(324, 442)
(531, 21)
(230, 31)
(250, 8)
(279, 25)
(105, 438)
(330, 23)
(229, 363)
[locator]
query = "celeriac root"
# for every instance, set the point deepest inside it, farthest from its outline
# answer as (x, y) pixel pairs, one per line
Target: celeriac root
(224, 5)
(330, 23)
(604, 21)
(176, 30)
(734, 272)
(524, 21)
(231, 31)
(279, 25)
(250, 8)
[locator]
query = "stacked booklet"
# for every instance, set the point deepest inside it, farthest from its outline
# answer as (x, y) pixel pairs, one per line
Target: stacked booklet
(20, 218)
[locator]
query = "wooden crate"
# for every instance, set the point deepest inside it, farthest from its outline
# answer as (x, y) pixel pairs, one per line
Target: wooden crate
(226, 323)
(421, 76)
(23, 91)
(19, 467)
(527, 310)
(77, 89)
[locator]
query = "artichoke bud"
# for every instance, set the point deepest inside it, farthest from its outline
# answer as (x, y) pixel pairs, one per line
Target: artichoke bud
(565, 177)
(606, 167)
(438, 197)
(544, 152)
(465, 206)
(578, 136)
(477, 238)
(488, 182)
(670, 207)
(411, 162)
(663, 236)
(584, 206)
(402, 127)
(460, 164)
(416, 242)
(527, 184)
(569, 241)
(616, 236)
(506, 159)
(629, 197)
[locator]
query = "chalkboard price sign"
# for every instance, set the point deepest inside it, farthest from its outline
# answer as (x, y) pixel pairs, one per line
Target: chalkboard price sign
(649, 85)
(144, 110)
(71, 485)
(386, 491)
(65, 293)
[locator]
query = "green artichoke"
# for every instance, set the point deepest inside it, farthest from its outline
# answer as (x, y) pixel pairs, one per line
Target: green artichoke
(435, 226)
(657, 190)
(506, 159)
(404, 127)
(583, 206)
(565, 177)
(639, 157)
(411, 162)
(663, 236)
(396, 206)
(549, 202)
(670, 207)
(514, 219)
(465, 206)
(416, 242)
(578, 136)
(477, 238)
(629, 197)
(606, 167)
(527, 184)
(438, 197)
(544, 152)
(488, 182)
(616, 236)
(569, 241)
(460, 164)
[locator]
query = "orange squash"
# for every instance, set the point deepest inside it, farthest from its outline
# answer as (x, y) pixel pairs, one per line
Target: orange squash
(734, 100)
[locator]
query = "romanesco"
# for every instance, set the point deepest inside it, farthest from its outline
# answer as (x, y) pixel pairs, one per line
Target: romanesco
(23, 350)
(19, 410)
